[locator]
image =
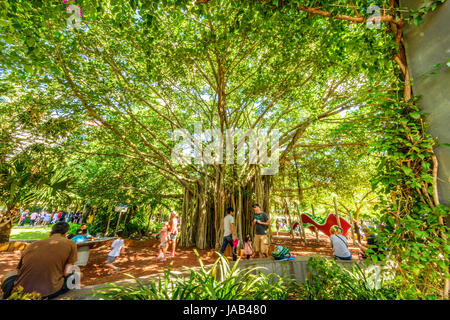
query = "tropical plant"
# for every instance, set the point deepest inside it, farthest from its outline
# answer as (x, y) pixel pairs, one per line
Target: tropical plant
(20, 295)
(330, 281)
(217, 282)
(17, 180)
(23, 181)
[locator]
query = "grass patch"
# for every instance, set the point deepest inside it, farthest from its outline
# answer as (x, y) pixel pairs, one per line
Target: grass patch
(29, 233)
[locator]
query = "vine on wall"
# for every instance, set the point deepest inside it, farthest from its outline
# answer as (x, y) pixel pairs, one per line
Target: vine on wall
(414, 234)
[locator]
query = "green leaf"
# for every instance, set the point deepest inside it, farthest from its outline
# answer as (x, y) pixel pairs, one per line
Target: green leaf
(407, 170)
(417, 20)
(415, 115)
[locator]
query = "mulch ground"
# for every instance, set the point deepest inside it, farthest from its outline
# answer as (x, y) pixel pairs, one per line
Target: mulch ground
(141, 261)
(298, 248)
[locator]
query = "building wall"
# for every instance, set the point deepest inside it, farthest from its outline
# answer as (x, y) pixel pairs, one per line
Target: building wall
(427, 45)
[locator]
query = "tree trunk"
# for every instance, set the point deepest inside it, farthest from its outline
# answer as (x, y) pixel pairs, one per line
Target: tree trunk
(358, 234)
(130, 214)
(336, 212)
(302, 229)
(357, 228)
(204, 208)
(351, 226)
(286, 212)
(6, 222)
(149, 219)
(5, 232)
(109, 219)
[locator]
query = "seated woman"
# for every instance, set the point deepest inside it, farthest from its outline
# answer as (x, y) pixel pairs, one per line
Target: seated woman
(339, 244)
(86, 234)
(80, 236)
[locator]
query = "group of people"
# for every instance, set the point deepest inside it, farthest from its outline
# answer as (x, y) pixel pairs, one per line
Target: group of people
(339, 244)
(260, 222)
(81, 235)
(48, 218)
(282, 224)
(46, 266)
(168, 236)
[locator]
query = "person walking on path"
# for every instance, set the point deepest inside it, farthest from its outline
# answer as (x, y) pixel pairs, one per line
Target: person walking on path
(173, 231)
(261, 222)
(38, 220)
(76, 217)
(23, 217)
(45, 266)
(228, 233)
(47, 218)
(54, 218)
(33, 218)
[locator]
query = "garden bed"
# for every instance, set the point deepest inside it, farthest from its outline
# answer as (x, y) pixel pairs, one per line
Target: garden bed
(140, 260)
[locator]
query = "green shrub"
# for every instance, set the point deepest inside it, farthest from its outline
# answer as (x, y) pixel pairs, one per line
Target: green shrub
(330, 281)
(20, 295)
(154, 227)
(203, 284)
(73, 227)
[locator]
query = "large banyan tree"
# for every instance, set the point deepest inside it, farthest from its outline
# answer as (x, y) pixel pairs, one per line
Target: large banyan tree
(144, 70)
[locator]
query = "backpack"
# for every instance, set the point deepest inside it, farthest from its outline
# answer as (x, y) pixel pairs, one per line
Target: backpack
(281, 253)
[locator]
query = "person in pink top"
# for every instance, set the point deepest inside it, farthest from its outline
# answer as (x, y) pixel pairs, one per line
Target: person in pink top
(23, 217)
(164, 239)
(248, 250)
(33, 218)
(173, 231)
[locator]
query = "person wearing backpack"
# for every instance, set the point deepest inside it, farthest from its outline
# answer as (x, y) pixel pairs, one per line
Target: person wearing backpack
(261, 223)
(339, 244)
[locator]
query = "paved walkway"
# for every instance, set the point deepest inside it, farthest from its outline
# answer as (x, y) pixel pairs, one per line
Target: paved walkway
(85, 293)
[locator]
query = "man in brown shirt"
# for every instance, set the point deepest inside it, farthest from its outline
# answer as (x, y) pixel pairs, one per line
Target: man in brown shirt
(45, 264)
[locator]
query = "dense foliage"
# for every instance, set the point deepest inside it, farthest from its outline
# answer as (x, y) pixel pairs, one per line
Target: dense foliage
(219, 282)
(88, 119)
(415, 235)
(329, 280)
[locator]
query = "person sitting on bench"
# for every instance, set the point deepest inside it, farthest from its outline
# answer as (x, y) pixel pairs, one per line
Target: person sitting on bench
(45, 265)
(339, 244)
